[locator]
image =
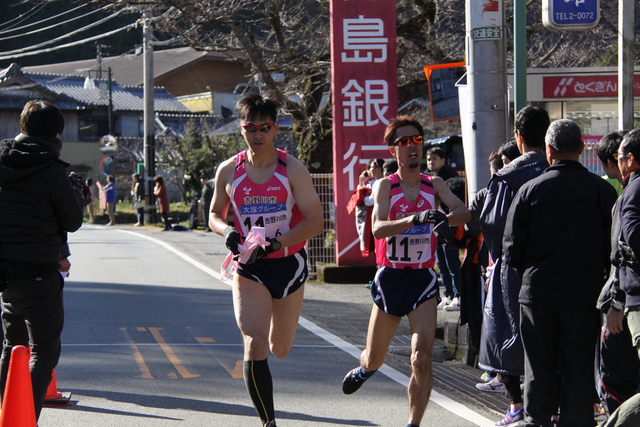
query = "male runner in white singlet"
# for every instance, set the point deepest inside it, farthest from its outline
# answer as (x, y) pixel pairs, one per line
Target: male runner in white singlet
(268, 188)
(406, 221)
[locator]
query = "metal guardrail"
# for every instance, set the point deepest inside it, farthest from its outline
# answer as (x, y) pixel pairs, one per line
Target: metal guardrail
(322, 248)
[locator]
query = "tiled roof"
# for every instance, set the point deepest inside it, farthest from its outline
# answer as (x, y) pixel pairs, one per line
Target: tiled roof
(16, 89)
(127, 98)
(128, 69)
(163, 100)
(16, 101)
(178, 122)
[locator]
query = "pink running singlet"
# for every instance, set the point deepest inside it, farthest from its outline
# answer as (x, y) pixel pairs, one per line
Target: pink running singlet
(269, 205)
(415, 247)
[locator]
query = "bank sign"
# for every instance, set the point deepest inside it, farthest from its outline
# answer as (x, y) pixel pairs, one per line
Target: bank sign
(570, 14)
(584, 87)
(364, 94)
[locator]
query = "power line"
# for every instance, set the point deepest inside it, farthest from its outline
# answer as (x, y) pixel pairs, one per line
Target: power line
(21, 53)
(25, 15)
(79, 42)
(55, 25)
(44, 20)
(73, 33)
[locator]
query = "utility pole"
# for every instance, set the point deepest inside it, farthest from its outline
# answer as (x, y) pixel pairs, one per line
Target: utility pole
(149, 113)
(483, 106)
(625, 64)
(110, 108)
(99, 47)
(519, 55)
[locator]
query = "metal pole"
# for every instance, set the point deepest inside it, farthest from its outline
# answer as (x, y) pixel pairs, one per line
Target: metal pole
(625, 64)
(110, 110)
(519, 55)
(99, 60)
(484, 110)
(149, 129)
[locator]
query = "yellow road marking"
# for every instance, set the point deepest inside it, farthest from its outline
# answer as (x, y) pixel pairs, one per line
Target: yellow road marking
(236, 372)
(182, 370)
(146, 373)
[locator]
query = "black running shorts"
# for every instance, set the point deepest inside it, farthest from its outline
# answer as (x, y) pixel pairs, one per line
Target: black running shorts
(399, 291)
(282, 276)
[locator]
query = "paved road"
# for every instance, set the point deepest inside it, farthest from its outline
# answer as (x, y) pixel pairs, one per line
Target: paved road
(150, 340)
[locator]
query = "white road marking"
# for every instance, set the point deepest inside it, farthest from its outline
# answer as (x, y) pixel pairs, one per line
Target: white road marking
(439, 399)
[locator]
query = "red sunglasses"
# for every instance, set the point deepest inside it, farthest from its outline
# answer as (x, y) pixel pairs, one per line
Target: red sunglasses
(262, 128)
(405, 141)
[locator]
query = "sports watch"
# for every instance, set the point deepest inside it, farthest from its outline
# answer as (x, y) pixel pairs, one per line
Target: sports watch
(275, 244)
(617, 305)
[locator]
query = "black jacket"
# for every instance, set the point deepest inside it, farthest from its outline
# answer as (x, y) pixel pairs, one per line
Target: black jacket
(629, 211)
(557, 236)
(611, 289)
(38, 204)
(447, 172)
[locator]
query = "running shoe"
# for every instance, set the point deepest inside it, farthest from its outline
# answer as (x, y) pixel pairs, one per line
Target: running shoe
(353, 381)
(454, 305)
(493, 386)
(486, 377)
(271, 423)
(512, 417)
(445, 302)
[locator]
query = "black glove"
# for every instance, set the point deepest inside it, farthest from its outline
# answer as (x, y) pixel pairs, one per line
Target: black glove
(232, 239)
(431, 216)
(444, 233)
(83, 194)
(261, 252)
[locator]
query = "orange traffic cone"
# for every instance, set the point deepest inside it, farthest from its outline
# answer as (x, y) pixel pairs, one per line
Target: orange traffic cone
(18, 409)
(53, 396)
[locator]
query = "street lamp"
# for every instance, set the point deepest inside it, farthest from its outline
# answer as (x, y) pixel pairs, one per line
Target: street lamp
(89, 84)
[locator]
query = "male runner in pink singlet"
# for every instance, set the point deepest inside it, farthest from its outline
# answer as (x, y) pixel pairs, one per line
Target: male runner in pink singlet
(406, 225)
(266, 187)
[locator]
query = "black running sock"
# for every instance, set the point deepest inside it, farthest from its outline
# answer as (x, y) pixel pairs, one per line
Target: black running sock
(366, 374)
(257, 378)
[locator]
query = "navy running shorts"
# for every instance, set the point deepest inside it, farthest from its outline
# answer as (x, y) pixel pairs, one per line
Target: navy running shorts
(400, 291)
(282, 276)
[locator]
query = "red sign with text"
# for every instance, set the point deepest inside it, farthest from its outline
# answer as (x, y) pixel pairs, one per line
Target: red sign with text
(584, 87)
(364, 94)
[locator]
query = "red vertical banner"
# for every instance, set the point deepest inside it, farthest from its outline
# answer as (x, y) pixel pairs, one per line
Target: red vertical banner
(364, 94)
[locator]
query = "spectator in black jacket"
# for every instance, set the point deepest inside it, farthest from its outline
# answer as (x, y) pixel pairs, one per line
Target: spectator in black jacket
(625, 257)
(628, 252)
(138, 197)
(39, 207)
(618, 365)
(557, 238)
(437, 164)
(625, 292)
